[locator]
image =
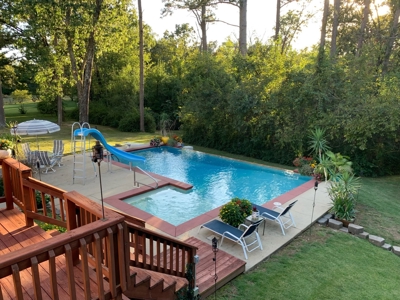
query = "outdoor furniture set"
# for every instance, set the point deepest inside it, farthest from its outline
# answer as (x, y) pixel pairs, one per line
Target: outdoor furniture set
(248, 238)
(44, 160)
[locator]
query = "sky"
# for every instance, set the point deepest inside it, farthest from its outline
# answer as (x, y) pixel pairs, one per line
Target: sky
(260, 21)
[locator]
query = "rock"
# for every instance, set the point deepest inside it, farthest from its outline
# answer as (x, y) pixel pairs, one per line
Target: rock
(363, 235)
(355, 229)
(335, 224)
(387, 247)
(377, 240)
(322, 221)
(396, 250)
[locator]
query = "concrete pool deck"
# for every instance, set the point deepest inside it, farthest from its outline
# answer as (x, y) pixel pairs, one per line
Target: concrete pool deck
(118, 180)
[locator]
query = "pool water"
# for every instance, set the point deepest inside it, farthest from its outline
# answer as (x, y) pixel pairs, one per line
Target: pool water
(216, 180)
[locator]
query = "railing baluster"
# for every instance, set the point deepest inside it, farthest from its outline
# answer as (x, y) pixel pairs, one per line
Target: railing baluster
(111, 266)
(85, 267)
(17, 282)
(70, 271)
(99, 274)
(36, 278)
(53, 274)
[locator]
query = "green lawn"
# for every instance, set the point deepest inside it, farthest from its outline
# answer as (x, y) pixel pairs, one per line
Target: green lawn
(323, 265)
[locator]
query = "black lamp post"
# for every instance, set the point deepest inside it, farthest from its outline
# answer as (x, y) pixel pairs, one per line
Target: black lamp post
(315, 193)
(215, 250)
(98, 157)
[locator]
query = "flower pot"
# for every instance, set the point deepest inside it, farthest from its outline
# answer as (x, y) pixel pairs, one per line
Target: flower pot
(178, 144)
(165, 139)
(4, 154)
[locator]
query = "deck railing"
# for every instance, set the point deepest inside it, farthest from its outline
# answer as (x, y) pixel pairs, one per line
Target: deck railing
(104, 244)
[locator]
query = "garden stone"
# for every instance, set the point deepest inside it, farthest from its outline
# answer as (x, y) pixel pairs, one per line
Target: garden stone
(396, 250)
(344, 229)
(335, 224)
(328, 216)
(322, 221)
(363, 235)
(355, 229)
(387, 247)
(376, 240)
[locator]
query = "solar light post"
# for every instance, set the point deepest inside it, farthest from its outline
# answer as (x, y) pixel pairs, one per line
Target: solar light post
(98, 157)
(315, 193)
(215, 250)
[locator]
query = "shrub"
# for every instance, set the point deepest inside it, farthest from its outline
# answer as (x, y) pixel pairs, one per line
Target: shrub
(235, 211)
(47, 107)
(22, 110)
(20, 96)
(131, 122)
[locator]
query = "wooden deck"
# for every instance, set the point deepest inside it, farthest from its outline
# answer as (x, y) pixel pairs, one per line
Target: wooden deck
(14, 236)
(228, 267)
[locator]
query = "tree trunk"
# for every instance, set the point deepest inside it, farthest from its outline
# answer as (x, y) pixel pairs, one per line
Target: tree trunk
(2, 113)
(203, 26)
(141, 59)
(392, 37)
(363, 26)
(278, 19)
(335, 25)
(243, 27)
(323, 30)
(84, 81)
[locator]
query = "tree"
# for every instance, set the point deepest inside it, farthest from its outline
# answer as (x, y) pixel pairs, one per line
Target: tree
(335, 25)
(363, 26)
(393, 35)
(323, 30)
(279, 5)
(141, 62)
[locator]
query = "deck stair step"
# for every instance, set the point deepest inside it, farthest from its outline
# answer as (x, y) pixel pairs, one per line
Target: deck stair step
(146, 284)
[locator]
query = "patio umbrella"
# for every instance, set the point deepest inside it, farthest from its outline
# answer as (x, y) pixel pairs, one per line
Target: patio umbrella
(35, 127)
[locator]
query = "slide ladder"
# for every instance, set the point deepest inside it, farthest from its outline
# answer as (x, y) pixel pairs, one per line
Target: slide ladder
(81, 151)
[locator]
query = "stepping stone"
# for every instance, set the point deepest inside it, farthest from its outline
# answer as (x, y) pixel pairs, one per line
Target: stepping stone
(355, 229)
(396, 250)
(363, 235)
(377, 240)
(322, 221)
(335, 224)
(387, 247)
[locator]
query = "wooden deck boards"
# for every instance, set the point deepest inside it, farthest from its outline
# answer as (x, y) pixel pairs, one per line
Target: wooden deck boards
(228, 267)
(13, 236)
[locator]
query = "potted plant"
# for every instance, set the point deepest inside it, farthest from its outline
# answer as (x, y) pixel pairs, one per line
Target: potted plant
(342, 192)
(235, 211)
(255, 213)
(178, 140)
(165, 124)
(5, 148)
(155, 142)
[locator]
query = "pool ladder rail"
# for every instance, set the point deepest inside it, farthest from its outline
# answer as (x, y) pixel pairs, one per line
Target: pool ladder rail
(136, 182)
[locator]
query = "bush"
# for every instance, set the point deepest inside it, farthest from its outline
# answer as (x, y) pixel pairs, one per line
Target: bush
(22, 110)
(47, 107)
(131, 122)
(235, 212)
(74, 114)
(20, 96)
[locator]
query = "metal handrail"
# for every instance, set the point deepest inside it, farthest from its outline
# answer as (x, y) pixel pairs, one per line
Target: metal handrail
(144, 172)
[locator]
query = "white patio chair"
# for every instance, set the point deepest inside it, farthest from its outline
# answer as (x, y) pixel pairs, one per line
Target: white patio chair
(44, 162)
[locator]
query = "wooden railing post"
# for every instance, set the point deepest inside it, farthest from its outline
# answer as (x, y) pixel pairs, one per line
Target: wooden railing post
(72, 224)
(7, 186)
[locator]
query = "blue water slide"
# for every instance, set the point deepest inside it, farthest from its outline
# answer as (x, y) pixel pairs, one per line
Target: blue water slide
(118, 153)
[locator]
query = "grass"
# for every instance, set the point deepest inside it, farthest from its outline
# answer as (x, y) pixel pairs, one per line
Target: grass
(326, 265)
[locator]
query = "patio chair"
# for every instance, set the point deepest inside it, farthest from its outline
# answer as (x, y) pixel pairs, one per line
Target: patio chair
(284, 218)
(237, 235)
(30, 156)
(58, 150)
(44, 162)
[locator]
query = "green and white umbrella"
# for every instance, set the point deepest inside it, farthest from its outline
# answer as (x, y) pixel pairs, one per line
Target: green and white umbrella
(35, 127)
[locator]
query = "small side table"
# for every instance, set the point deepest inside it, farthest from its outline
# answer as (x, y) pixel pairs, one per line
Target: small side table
(252, 221)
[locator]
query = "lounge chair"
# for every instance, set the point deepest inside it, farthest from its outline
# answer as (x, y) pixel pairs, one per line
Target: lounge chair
(235, 234)
(284, 218)
(58, 151)
(44, 162)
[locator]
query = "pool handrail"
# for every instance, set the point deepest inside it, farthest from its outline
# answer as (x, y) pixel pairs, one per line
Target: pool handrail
(136, 182)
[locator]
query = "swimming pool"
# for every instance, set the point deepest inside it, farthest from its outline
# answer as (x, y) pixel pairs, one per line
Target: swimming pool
(216, 180)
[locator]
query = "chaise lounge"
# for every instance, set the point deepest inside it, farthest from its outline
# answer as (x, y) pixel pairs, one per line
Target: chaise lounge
(284, 218)
(235, 234)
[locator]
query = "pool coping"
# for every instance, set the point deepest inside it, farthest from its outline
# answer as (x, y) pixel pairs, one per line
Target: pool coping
(117, 202)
